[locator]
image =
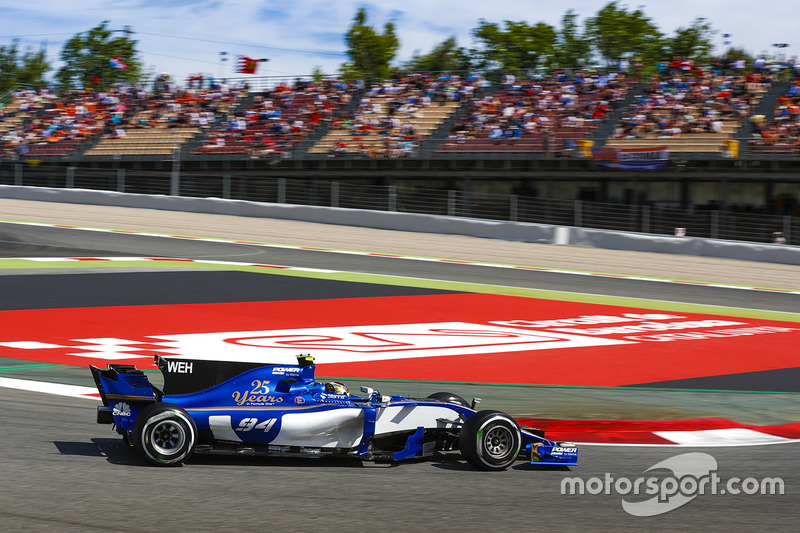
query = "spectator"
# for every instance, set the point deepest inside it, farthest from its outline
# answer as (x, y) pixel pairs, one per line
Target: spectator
(778, 238)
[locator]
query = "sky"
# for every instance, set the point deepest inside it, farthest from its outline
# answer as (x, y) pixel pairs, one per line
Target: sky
(183, 37)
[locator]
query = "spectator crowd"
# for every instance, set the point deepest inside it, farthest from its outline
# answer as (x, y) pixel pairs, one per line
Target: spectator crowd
(390, 119)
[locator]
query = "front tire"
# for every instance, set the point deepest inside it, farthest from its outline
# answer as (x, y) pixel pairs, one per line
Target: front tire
(449, 397)
(165, 434)
(490, 440)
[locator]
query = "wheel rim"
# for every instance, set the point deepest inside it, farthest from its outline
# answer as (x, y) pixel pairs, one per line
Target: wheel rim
(497, 442)
(167, 437)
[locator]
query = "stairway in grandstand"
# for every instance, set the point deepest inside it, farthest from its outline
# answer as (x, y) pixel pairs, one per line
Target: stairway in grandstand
(427, 119)
(159, 139)
(691, 143)
(604, 131)
(192, 145)
(766, 107)
(428, 146)
(258, 138)
(301, 148)
(13, 117)
(560, 127)
(155, 141)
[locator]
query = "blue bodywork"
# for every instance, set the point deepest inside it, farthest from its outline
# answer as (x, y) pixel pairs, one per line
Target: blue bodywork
(282, 410)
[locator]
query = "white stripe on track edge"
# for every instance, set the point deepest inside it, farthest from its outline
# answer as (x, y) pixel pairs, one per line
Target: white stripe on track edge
(405, 257)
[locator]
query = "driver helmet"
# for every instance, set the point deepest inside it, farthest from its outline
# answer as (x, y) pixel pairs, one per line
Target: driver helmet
(334, 387)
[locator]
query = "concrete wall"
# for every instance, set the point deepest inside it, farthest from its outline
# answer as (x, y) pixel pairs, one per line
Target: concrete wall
(511, 231)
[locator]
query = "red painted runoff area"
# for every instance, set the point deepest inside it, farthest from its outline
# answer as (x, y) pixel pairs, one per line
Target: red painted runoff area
(452, 337)
(655, 431)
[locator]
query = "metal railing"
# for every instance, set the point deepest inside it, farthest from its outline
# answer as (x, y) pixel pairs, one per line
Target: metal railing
(650, 218)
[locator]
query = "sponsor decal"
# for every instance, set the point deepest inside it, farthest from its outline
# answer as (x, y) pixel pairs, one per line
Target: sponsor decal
(453, 337)
(561, 449)
(179, 367)
(121, 409)
(258, 394)
(282, 370)
(326, 396)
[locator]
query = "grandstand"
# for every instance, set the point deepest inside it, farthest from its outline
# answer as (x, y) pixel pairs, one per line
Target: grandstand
(732, 142)
(271, 123)
(690, 114)
(537, 116)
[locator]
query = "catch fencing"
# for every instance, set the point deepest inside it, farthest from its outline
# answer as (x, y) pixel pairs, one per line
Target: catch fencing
(652, 219)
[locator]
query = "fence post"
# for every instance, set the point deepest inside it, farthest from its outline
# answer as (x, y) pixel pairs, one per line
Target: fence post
(578, 221)
(281, 190)
(175, 177)
(645, 219)
(787, 228)
(18, 175)
(120, 180)
(451, 203)
(335, 194)
(513, 207)
(715, 224)
(466, 200)
(70, 177)
(226, 186)
(392, 198)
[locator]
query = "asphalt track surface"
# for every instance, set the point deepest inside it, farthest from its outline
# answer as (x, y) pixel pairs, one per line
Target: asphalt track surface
(63, 472)
(34, 241)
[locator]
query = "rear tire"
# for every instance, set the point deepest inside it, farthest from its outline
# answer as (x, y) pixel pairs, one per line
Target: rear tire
(490, 440)
(449, 397)
(165, 434)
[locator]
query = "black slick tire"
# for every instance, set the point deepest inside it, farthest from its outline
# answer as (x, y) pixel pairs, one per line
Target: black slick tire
(490, 440)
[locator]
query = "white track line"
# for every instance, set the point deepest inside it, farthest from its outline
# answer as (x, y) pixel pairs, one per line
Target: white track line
(395, 256)
(73, 391)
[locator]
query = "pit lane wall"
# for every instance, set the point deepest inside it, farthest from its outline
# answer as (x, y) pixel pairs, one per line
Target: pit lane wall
(510, 231)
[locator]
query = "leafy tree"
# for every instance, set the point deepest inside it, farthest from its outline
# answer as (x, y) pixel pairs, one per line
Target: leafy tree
(87, 55)
(445, 57)
(317, 74)
(732, 54)
(25, 68)
(695, 42)
(616, 32)
(370, 52)
(572, 48)
(515, 46)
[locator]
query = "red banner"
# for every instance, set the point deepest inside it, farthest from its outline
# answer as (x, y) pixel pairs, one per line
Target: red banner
(246, 65)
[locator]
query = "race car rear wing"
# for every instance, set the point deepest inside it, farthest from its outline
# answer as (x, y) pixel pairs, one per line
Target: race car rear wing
(125, 390)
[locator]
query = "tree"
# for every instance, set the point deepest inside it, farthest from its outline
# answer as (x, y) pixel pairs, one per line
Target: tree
(516, 46)
(26, 68)
(87, 58)
(370, 52)
(616, 32)
(695, 42)
(445, 57)
(572, 48)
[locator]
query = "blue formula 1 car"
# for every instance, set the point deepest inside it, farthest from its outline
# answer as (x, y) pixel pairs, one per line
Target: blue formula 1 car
(263, 409)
